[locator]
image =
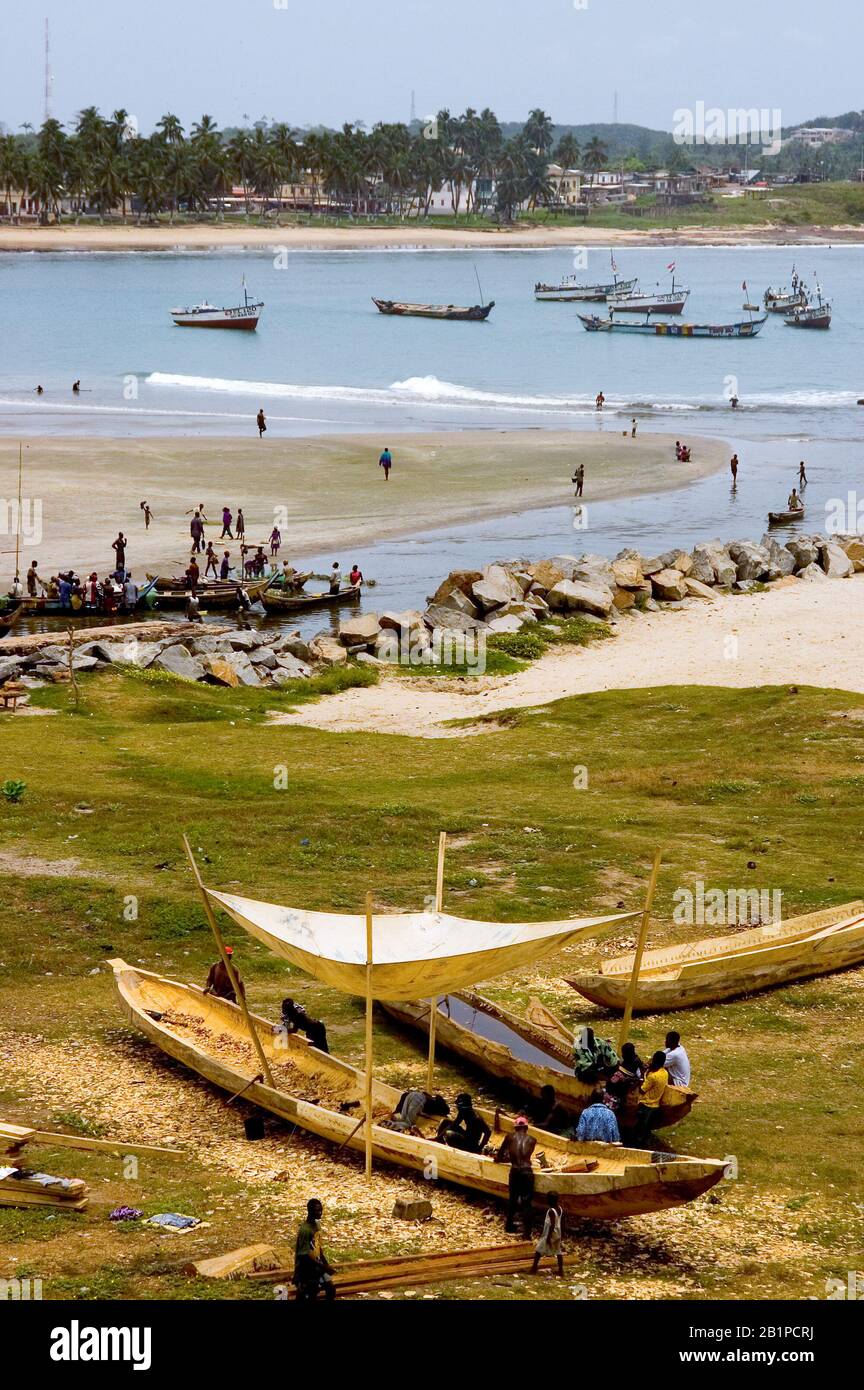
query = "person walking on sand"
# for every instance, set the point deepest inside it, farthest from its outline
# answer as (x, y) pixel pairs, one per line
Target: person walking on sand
(261, 422)
(196, 531)
(211, 564)
(275, 541)
(802, 474)
(241, 524)
(633, 428)
(733, 468)
(227, 518)
(148, 515)
(579, 479)
(386, 462)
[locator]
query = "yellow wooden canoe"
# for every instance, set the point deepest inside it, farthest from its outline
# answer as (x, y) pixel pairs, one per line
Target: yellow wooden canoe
(326, 1097)
(527, 1053)
(721, 967)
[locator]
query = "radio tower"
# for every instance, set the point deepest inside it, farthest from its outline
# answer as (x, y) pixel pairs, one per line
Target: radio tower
(413, 108)
(49, 76)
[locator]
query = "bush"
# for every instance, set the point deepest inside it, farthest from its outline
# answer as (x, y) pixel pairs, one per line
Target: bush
(526, 645)
(576, 631)
(13, 789)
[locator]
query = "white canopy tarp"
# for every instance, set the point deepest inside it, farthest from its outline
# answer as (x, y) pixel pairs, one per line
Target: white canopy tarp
(414, 954)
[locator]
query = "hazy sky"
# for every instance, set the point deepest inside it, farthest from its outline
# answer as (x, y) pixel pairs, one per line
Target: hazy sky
(329, 61)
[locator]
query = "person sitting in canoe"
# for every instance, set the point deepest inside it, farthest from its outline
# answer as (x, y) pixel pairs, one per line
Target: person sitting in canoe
(219, 981)
(627, 1077)
(593, 1058)
(296, 1020)
(794, 503)
(650, 1095)
(467, 1130)
(545, 1112)
(412, 1105)
(677, 1061)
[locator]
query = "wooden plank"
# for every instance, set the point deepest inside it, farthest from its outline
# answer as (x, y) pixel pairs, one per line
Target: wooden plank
(81, 1141)
(39, 1199)
(250, 1259)
(439, 1259)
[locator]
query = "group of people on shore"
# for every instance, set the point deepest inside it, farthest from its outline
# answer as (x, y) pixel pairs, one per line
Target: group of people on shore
(682, 452)
(116, 592)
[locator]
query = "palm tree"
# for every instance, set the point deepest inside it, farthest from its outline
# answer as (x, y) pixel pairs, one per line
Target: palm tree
(170, 129)
(538, 131)
(596, 155)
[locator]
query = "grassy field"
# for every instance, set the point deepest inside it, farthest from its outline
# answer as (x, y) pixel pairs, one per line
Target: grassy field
(91, 867)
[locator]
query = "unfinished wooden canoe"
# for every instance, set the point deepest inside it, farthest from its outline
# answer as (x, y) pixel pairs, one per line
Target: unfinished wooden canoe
(324, 1095)
(721, 967)
(287, 601)
(519, 1051)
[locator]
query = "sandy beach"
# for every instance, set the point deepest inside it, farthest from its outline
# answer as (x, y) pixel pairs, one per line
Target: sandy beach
(797, 634)
(204, 236)
(324, 492)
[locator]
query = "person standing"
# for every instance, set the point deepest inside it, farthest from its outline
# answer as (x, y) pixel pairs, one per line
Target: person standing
(313, 1272)
(633, 428)
(227, 518)
(119, 548)
(355, 578)
(599, 401)
(211, 561)
(335, 578)
(241, 524)
(196, 531)
(517, 1150)
(261, 422)
(275, 541)
(76, 387)
(733, 468)
(550, 1237)
(225, 567)
(148, 515)
(33, 579)
(130, 594)
(386, 462)
(193, 574)
(802, 474)
(579, 479)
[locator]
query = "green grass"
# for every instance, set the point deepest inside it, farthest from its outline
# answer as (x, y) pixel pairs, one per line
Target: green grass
(705, 775)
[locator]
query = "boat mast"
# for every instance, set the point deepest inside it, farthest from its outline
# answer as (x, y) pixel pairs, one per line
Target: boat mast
(18, 520)
(479, 286)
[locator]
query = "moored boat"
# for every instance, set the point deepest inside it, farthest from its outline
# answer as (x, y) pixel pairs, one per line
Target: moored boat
(221, 596)
(569, 289)
(785, 518)
(473, 313)
(204, 315)
(810, 316)
(44, 607)
(746, 329)
(671, 301)
(701, 972)
(519, 1051)
(324, 1096)
(286, 601)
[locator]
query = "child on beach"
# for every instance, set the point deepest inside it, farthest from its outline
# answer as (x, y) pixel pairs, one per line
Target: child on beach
(550, 1237)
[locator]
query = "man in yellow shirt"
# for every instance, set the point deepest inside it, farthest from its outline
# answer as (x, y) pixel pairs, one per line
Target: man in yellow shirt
(650, 1096)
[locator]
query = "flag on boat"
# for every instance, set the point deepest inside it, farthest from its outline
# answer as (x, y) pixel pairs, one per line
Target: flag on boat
(671, 267)
(614, 266)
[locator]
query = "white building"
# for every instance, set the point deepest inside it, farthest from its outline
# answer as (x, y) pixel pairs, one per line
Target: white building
(817, 135)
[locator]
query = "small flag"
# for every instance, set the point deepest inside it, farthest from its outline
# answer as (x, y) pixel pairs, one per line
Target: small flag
(671, 267)
(744, 286)
(614, 266)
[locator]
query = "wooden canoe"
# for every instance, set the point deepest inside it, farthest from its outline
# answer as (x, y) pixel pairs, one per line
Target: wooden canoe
(520, 1051)
(219, 596)
(473, 313)
(785, 518)
(208, 1036)
(721, 967)
(281, 601)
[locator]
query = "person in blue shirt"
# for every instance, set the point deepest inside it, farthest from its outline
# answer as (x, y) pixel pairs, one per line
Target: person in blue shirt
(65, 593)
(386, 462)
(597, 1122)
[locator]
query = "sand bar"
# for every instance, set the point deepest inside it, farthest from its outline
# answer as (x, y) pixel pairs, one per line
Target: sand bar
(330, 487)
(203, 236)
(803, 634)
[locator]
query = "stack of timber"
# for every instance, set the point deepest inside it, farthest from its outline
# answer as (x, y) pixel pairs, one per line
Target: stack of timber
(722, 967)
(28, 1187)
(412, 1271)
(324, 1095)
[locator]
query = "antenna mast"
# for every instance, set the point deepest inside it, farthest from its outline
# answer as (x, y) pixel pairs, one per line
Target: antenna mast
(49, 76)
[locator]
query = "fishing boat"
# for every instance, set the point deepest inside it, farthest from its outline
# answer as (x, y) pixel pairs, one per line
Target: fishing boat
(325, 1096)
(747, 329)
(782, 300)
(816, 315)
(570, 289)
(471, 314)
(167, 584)
(44, 607)
(650, 302)
(785, 518)
(219, 596)
(524, 1052)
(701, 972)
(284, 601)
(204, 315)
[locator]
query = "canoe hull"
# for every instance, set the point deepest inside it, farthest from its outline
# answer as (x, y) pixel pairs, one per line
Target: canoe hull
(474, 313)
(499, 1061)
(279, 601)
(821, 945)
(626, 1183)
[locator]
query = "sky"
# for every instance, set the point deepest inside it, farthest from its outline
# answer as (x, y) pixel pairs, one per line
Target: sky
(311, 62)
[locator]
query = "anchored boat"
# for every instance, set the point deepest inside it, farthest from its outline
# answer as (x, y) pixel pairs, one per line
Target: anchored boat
(325, 1096)
(472, 314)
(650, 302)
(569, 289)
(701, 972)
(746, 329)
(204, 315)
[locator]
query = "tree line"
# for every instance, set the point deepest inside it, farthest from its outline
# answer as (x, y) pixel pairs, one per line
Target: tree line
(103, 162)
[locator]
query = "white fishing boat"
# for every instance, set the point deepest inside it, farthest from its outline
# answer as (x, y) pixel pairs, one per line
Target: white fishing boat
(569, 288)
(654, 301)
(204, 315)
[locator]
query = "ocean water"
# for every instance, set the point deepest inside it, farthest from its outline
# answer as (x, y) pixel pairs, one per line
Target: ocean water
(324, 360)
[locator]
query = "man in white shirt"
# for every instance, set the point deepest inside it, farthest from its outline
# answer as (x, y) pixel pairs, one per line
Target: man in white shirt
(677, 1061)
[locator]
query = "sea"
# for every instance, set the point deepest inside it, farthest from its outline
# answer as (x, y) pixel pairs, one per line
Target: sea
(325, 361)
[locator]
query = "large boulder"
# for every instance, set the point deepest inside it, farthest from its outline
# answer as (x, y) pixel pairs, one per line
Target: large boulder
(677, 560)
(295, 669)
(81, 661)
(854, 548)
(594, 569)
(327, 650)
(264, 656)
(712, 557)
(359, 631)
(456, 579)
(572, 596)
(218, 670)
(803, 550)
(627, 571)
(669, 585)
(812, 573)
(243, 641)
(460, 603)
(496, 588)
(780, 560)
(508, 623)
(177, 660)
(436, 616)
(131, 652)
(624, 600)
(566, 564)
(292, 644)
(10, 668)
(408, 620)
(751, 561)
(696, 589)
(834, 561)
(546, 575)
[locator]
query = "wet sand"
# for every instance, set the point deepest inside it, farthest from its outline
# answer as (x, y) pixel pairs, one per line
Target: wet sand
(203, 236)
(325, 492)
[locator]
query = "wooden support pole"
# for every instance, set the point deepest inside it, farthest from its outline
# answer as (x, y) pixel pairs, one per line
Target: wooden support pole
(226, 960)
(637, 958)
(368, 1036)
(433, 1002)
